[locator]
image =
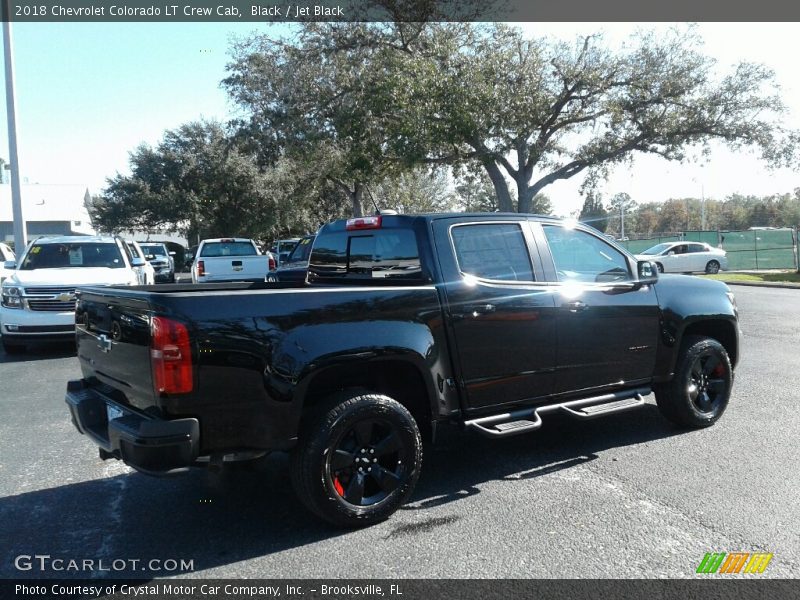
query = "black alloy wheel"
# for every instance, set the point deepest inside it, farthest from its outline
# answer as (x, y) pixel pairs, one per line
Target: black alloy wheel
(707, 383)
(369, 462)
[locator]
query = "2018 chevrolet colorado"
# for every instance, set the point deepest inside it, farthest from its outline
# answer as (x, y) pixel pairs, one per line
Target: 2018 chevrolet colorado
(490, 321)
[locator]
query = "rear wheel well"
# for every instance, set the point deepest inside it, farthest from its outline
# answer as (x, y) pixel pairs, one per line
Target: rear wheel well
(397, 379)
(722, 331)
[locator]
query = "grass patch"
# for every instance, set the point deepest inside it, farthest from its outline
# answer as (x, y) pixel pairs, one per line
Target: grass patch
(788, 277)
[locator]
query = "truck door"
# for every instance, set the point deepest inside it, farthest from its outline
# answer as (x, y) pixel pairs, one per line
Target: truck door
(607, 325)
(502, 319)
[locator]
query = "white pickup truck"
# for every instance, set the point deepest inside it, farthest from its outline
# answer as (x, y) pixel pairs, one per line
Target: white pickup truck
(38, 296)
(230, 259)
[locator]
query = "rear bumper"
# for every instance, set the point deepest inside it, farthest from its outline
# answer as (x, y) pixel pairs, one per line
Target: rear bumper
(150, 445)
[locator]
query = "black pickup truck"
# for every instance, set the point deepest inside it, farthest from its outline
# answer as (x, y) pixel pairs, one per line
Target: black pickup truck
(405, 322)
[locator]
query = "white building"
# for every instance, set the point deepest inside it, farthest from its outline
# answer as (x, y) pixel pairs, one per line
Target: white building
(47, 210)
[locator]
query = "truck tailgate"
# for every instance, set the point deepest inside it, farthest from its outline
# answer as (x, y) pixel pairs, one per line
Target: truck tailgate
(113, 342)
(231, 268)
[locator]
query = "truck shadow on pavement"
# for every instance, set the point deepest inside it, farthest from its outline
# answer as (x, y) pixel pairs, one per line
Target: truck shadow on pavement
(251, 511)
(34, 353)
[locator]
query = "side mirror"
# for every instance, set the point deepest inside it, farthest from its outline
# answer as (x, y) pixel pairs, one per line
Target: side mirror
(648, 272)
(10, 264)
(137, 262)
(671, 253)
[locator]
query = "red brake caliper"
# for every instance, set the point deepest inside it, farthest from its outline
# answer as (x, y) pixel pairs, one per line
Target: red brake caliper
(338, 487)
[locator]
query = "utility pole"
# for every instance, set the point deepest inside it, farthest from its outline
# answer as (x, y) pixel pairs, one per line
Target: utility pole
(702, 207)
(20, 240)
(622, 220)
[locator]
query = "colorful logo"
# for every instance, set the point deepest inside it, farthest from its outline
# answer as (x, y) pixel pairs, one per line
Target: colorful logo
(734, 562)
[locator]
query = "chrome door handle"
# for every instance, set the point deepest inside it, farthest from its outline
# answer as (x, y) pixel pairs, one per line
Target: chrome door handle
(480, 309)
(577, 306)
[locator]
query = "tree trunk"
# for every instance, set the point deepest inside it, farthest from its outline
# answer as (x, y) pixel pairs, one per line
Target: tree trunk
(500, 186)
(524, 196)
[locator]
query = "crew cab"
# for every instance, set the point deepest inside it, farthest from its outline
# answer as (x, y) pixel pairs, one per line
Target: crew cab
(38, 298)
(492, 322)
(230, 259)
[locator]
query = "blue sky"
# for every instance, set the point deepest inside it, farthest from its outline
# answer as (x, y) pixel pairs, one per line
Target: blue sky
(88, 94)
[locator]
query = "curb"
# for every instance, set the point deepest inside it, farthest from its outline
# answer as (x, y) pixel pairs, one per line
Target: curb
(767, 284)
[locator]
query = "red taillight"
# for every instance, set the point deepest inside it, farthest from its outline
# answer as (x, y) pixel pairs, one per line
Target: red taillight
(364, 223)
(272, 263)
(201, 268)
(170, 357)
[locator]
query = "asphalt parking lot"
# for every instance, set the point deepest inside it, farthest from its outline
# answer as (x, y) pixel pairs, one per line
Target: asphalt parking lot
(626, 496)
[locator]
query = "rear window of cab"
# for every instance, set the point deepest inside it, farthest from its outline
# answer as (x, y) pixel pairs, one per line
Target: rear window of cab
(215, 249)
(377, 254)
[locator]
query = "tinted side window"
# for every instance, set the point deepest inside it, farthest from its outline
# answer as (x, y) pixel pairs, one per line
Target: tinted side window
(378, 254)
(697, 248)
(492, 251)
(580, 256)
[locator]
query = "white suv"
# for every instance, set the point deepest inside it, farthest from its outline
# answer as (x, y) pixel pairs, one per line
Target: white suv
(38, 297)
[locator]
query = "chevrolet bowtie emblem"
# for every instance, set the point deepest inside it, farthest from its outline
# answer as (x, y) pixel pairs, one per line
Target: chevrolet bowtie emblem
(65, 297)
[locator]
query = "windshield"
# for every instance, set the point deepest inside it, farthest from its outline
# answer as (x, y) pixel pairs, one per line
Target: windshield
(79, 254)
(657, 249)
(154, 249)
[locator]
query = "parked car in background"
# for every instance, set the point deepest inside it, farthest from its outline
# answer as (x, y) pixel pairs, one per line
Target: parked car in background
(295, 266)
(282, 248)
(147, 274)
(7, 254)
(230, 259)
(188, 258)
(686, 257)
(157, 255)
(38, 298)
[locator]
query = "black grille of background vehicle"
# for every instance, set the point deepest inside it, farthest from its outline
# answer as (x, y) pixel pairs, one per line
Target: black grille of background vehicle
(46, 329)
(40, 299)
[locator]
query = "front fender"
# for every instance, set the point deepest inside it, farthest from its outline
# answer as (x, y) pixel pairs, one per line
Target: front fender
(693, 305)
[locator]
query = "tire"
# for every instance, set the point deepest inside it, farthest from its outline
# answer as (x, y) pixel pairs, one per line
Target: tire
(700, 390)
(712, 267)
(350, 429)
(660, 267)
(9, 348)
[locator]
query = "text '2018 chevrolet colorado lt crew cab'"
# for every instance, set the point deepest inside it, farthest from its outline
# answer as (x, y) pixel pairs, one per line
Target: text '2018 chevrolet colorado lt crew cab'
(490, 321)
